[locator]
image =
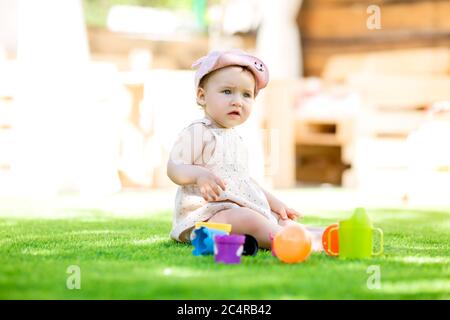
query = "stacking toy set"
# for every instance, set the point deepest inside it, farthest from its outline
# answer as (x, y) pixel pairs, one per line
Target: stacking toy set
(352, 238)
(215, 238)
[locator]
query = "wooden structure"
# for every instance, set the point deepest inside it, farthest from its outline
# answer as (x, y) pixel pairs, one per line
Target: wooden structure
(330, 27)
(396, 96)
(117, 47)
(315, 145)
(399, 70)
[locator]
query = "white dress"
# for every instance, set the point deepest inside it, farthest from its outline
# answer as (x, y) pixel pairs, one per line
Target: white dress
(229, 162)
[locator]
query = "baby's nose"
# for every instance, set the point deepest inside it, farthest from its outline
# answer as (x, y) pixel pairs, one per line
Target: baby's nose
(236, 102)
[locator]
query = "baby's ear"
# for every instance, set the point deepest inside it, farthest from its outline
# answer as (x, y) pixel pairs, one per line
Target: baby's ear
(201, 96)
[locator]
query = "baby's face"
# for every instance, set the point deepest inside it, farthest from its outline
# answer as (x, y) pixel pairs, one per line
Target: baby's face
(228, 96)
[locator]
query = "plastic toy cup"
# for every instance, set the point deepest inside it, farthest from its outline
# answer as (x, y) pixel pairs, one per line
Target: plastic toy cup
(250, 246)
(211, 225)
(228, 248)
(330, 240)
(203, 240)
(356, 237)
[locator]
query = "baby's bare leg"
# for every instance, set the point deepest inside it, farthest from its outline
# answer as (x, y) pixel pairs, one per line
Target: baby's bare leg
(247, 221)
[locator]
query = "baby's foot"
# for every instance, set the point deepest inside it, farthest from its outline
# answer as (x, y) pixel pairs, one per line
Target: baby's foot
(316, 235)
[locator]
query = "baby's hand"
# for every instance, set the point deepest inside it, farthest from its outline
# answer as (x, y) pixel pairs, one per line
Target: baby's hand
(284, 212)
(210, 185)
(293, 214)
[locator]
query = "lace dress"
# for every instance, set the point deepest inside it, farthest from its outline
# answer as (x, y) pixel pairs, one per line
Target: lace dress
(229, 161)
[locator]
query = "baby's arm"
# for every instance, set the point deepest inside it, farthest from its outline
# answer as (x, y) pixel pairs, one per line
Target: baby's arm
(184, 174)
(184, 168)
(278, 206)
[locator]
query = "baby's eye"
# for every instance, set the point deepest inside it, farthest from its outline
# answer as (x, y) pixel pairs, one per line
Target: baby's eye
(247, 95)
(227, 91)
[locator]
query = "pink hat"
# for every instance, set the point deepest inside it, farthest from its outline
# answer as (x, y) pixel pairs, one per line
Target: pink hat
(220, 59)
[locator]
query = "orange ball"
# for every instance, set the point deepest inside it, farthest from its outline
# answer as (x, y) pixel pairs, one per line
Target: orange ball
(292, 244)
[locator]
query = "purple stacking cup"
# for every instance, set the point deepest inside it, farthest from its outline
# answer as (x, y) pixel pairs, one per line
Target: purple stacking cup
(228, 248)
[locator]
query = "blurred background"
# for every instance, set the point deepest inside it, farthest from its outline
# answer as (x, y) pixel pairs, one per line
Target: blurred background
(93, 94)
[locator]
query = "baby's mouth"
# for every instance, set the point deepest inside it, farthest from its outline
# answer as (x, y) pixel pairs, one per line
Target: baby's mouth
(234, 113)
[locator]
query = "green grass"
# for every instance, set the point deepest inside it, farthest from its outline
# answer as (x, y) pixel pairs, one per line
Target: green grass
(134, 259)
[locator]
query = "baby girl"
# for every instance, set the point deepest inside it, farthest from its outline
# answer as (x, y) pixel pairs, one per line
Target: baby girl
(209, 159)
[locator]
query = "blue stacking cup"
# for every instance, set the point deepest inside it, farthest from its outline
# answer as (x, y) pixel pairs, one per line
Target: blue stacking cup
(203, 240)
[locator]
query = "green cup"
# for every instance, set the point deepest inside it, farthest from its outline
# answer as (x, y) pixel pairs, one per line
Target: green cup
(356, 237)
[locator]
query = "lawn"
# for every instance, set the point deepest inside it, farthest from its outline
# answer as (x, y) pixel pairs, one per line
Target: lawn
(133, 258)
